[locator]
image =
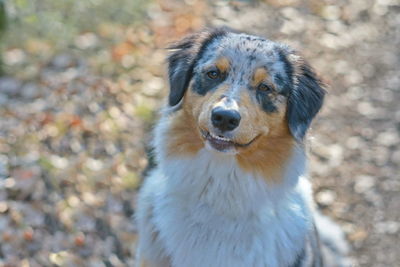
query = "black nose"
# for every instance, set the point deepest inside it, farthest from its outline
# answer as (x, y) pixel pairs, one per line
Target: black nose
(225, 119)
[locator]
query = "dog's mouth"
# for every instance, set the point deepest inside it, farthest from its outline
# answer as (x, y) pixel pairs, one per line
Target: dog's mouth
(223, 143)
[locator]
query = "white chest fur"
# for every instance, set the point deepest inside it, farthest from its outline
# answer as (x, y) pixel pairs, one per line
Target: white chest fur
(209, 212)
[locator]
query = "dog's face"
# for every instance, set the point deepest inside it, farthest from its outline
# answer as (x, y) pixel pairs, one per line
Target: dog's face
(239, 92)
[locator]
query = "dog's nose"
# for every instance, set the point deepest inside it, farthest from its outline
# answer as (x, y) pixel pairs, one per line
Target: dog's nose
(225, 119)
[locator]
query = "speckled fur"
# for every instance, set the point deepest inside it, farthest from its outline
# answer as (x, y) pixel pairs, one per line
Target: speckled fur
(201, 207)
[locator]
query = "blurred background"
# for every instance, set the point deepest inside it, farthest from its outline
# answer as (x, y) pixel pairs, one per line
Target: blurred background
(80, 85)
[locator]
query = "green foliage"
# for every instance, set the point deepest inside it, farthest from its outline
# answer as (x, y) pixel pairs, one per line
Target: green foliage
(59, 21)
(3, 17)
(3, 24)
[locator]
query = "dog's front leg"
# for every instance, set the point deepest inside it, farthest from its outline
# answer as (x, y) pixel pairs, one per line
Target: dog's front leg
(150, 250)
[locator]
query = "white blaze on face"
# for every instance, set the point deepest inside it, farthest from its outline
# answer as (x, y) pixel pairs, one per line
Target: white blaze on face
(227, 102)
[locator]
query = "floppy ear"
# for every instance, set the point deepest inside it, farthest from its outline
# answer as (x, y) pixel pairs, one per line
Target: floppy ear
(180, 68)
(305, 98)
(181, 61)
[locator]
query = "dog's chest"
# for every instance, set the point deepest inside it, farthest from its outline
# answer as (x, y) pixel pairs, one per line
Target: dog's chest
(216, 215)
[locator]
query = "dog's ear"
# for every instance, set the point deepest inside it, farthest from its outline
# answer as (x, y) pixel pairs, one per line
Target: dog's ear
(305, 98)
(182, 59)
(180, 67)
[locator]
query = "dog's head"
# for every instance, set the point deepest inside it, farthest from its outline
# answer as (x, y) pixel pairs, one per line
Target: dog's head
(238, 91)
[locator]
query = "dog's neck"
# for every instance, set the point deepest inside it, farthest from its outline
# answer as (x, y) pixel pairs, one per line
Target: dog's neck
(217, 180)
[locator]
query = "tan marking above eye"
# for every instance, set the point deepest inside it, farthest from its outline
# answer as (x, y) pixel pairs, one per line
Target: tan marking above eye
(259, 76)
(222, 64)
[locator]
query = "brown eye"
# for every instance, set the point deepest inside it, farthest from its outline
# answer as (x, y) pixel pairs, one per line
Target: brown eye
(264, 87)
(213, 74)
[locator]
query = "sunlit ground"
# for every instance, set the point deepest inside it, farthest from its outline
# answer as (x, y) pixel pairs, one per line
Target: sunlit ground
(81, 86)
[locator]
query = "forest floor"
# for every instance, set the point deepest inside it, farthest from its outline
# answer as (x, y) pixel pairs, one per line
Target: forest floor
(76, 116)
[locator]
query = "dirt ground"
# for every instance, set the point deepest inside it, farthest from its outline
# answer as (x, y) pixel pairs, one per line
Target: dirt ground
(76, 118)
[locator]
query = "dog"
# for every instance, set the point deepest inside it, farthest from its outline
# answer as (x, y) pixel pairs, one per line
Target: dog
(230, 186)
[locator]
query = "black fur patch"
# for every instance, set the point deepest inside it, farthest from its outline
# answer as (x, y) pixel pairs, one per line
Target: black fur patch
(304, 101)
(300, 258)
(285, 84)
(263, 97)
(202, 84)
(182, 61)
(252, 57)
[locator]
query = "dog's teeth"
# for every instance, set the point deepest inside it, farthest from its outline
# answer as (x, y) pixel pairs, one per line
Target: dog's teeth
(219, 137)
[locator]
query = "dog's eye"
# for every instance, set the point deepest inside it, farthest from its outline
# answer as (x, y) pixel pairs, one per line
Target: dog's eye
(264, 87)
(213, 74)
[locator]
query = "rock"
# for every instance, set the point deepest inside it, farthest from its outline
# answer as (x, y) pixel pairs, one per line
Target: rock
(62, 62)
(30, 90)
(4, 171)
(14, 56)
(364, 183)
(331, 12)
(10, 86)
(387, 227)
(388, 138)
(86, 40)
(3, 99)
(325, 197)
